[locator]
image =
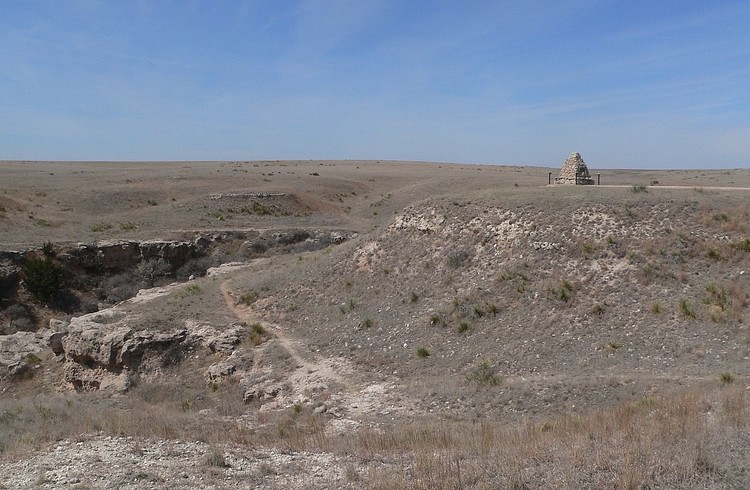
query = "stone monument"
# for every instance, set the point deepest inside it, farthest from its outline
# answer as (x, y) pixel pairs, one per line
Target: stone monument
(574, 171)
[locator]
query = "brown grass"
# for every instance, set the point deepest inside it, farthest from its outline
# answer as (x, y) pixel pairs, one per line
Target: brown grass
(681, 441)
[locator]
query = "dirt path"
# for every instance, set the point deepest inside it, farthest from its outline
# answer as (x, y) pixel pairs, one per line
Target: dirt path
(321, 368)
(350, 398)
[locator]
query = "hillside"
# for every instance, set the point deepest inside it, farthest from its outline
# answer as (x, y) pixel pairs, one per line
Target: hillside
(378, 325)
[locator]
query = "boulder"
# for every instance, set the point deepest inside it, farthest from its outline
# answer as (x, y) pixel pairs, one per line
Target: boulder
(18, 352)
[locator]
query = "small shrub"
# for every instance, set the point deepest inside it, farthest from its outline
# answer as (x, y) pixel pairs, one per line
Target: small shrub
(48, 249)
(456, 259)
(686, 310)
(726, 377)
(196, 267)
(656, 308)
(128, 226)
(101, 226)
(721, 217)
(190, 290)
(637, 189)
(367, 323)
(258, 329)
(44, 278)
(437, 319)
(492, 309)
(215, 458)
(614, 345)
(743, 245)
(462, 327)
(118, 288)
(413, 297)
(484, 375)
(598, 309)
(714, 254)
(248, 298)
(423, 352)
(152, 270)
(33, 359)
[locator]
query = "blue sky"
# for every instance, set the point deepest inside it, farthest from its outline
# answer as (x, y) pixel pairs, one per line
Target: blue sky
(629, 84)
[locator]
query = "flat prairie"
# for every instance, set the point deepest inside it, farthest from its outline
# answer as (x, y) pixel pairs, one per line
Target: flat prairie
(403, 325)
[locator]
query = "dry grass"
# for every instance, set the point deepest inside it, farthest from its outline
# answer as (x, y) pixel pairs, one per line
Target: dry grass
(693, 439)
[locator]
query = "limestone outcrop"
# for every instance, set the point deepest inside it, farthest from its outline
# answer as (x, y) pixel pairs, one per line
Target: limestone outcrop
(101, 351)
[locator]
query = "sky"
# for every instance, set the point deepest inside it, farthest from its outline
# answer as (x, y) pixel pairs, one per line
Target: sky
(628, 84)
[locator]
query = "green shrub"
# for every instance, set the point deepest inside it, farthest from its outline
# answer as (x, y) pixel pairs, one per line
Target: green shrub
(726, 377)
(48, 249)
(492, 309)
(43, 277)
(367, 323)
(463, 327)
(423, 352)
(598, 309)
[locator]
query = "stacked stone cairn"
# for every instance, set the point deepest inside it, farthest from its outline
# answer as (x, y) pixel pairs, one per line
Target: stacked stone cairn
(574, 171)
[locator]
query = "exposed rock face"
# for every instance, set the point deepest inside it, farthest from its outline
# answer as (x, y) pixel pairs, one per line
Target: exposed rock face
(124, 254)
(102, 352)
(574, 171)
(19, 351)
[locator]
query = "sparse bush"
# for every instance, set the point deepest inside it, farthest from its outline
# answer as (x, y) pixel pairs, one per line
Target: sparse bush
(44, 278)
(484, 375)
(20, 318)
(118, 288)
(423, 352)
(367, 322)
(721, 217)
(101, 226)
(190, 290)
(598, 309)
(248, 298)
(637, 189)
(492, 309)
(152, 270)
(656, 308)
(462, 327)
(457, 258)
(196, 267)
(437, 319)
(686, 310)
(215, 458)
(564, 292)
(726, 377)
(614, 345)
(128, 226)
(413, 297)
(743, 245)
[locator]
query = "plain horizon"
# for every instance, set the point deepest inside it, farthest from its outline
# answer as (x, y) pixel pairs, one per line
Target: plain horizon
(631, 85)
